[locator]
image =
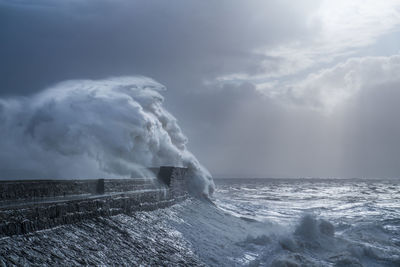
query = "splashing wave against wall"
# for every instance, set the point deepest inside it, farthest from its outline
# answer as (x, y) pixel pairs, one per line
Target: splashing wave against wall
(94, 128)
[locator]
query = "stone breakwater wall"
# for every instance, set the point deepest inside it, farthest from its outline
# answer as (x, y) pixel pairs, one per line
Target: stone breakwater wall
(32, 205)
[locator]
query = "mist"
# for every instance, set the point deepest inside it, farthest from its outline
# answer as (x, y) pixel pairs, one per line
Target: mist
(111, 128)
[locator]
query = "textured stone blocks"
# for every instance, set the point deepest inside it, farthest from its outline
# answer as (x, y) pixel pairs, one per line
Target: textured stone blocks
(27, 206)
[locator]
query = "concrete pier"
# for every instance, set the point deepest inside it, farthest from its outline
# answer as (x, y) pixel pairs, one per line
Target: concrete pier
(32, 205)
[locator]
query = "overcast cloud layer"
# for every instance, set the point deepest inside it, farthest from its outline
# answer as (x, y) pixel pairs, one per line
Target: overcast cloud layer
(261, 88)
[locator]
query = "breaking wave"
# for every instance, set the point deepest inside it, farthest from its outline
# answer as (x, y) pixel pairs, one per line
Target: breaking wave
(315, 222)
(115, 127)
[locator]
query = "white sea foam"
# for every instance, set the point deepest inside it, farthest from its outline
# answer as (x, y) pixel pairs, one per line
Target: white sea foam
(311, 222)
(94, 128)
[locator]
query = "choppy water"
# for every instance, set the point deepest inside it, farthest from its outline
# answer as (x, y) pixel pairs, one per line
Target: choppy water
(254, 223)
(319, 222)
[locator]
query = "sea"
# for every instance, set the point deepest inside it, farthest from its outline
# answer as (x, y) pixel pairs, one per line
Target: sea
(253, 222)
(314, 222)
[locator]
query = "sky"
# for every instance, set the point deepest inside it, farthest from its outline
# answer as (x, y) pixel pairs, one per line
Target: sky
(260, 88)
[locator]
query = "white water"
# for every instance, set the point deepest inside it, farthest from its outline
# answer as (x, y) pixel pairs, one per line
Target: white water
(296, 223)
(316, 222)
(115, 127)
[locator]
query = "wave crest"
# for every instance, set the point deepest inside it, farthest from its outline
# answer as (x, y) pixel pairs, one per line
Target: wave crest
(115, 127)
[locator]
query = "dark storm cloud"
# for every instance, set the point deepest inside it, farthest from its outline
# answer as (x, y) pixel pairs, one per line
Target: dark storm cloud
(185, 45)
(179, 43)
(182, 44)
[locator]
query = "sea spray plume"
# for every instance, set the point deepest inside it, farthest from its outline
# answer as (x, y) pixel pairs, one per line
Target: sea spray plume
(94, 128)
